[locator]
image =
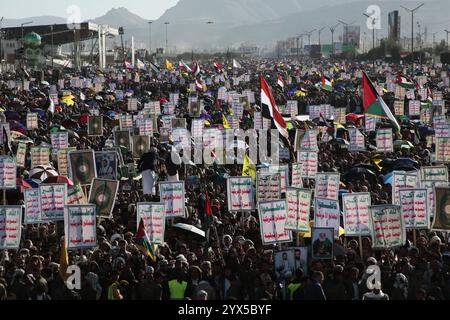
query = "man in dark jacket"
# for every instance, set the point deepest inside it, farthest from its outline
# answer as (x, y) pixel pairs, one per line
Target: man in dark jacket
(314, 290)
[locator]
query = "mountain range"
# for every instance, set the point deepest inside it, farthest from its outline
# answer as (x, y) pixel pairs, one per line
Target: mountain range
(259, 22)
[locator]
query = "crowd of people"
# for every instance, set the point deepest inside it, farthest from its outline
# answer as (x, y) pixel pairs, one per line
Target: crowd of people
(230, 262)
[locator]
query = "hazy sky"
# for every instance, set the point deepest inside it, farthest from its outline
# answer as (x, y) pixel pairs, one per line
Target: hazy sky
(149, 9)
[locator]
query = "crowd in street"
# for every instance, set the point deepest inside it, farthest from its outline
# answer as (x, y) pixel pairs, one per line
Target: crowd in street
(230, 262)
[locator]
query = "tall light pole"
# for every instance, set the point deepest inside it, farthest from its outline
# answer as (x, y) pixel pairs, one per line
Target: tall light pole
(332, 29)
(447, 32)
(150, 38)
(373, 29)
(412, 11)
(320, 32)
(1, 38)
(167, 36)
(210, 23)
(309, 33)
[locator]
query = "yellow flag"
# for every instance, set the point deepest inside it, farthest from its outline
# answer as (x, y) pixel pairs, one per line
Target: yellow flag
(226, 125)
(63, 260)
(249, 168)
(169, 65)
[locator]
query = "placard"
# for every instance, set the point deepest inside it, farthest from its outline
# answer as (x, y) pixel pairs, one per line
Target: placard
(296, 175)
(32, 199)
(32, 121)
(60, 140)
(387, 229)
(152, 214)
(356, 214)
(95, 126)
(75, 195)
(53, 201)
(284, 172)
(132, 104)
(441, 219)
(8, 173)
(240, 194)
(327, 185)
(103, 195)
(82, 169)
(402, 180)
(173, 196)
(63, 161)
(414, 108)
(309, 162)
(10, 227)
(81, 227)
(384, 140)
(272, 216)
(327, 214)
(268, 186)
(126, 122)
(298, 209)
(309, 141)
(357, 140)
(145, 127)
(443, 149)
(414, 208)
(21, 154)
(40, 156)
(436, 173)
(106, 163)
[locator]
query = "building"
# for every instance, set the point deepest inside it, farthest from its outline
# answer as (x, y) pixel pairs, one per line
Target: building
(58, 36)
(394, 23)
(352, 36)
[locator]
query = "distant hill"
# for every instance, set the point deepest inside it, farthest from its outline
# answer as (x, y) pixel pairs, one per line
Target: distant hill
(260, 22)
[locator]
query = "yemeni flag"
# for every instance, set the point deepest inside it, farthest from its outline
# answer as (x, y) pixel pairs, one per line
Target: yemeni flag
(209, 218)
(270, 109)
(280, 82)
(218, 66)
(196, 69)
(405, 82)
(142, 242)
(374, 105)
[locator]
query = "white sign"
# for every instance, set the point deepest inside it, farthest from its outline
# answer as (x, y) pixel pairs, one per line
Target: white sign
(272, 216)
(298, 209)
(327, 215)
(356, 214)
(81, 226)
(152, 214)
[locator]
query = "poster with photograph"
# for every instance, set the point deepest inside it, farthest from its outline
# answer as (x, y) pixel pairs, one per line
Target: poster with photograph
(322, 243)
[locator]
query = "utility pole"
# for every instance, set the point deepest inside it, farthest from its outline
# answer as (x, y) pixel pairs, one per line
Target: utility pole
(167, 36)
(373, 29)
(1, 38)
(320, 32)
(150, 38)
(309, 33)
(53, 43)
(332, 29)
(447, 32)
(412, 11)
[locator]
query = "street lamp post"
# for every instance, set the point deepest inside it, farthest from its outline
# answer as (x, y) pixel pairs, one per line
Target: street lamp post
(150, 38)
(373, 28)
(309, 33)
(167, 36)
(447, 32)
(332, 29)
(22, 25)
(320, 32)
(1, 38)
(412, 11)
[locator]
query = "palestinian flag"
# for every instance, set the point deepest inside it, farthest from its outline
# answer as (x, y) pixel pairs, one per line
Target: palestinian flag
(184, 67)
(270, 109)
(374, 105)
(327, 84)
(405, 82)
(142, 242)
